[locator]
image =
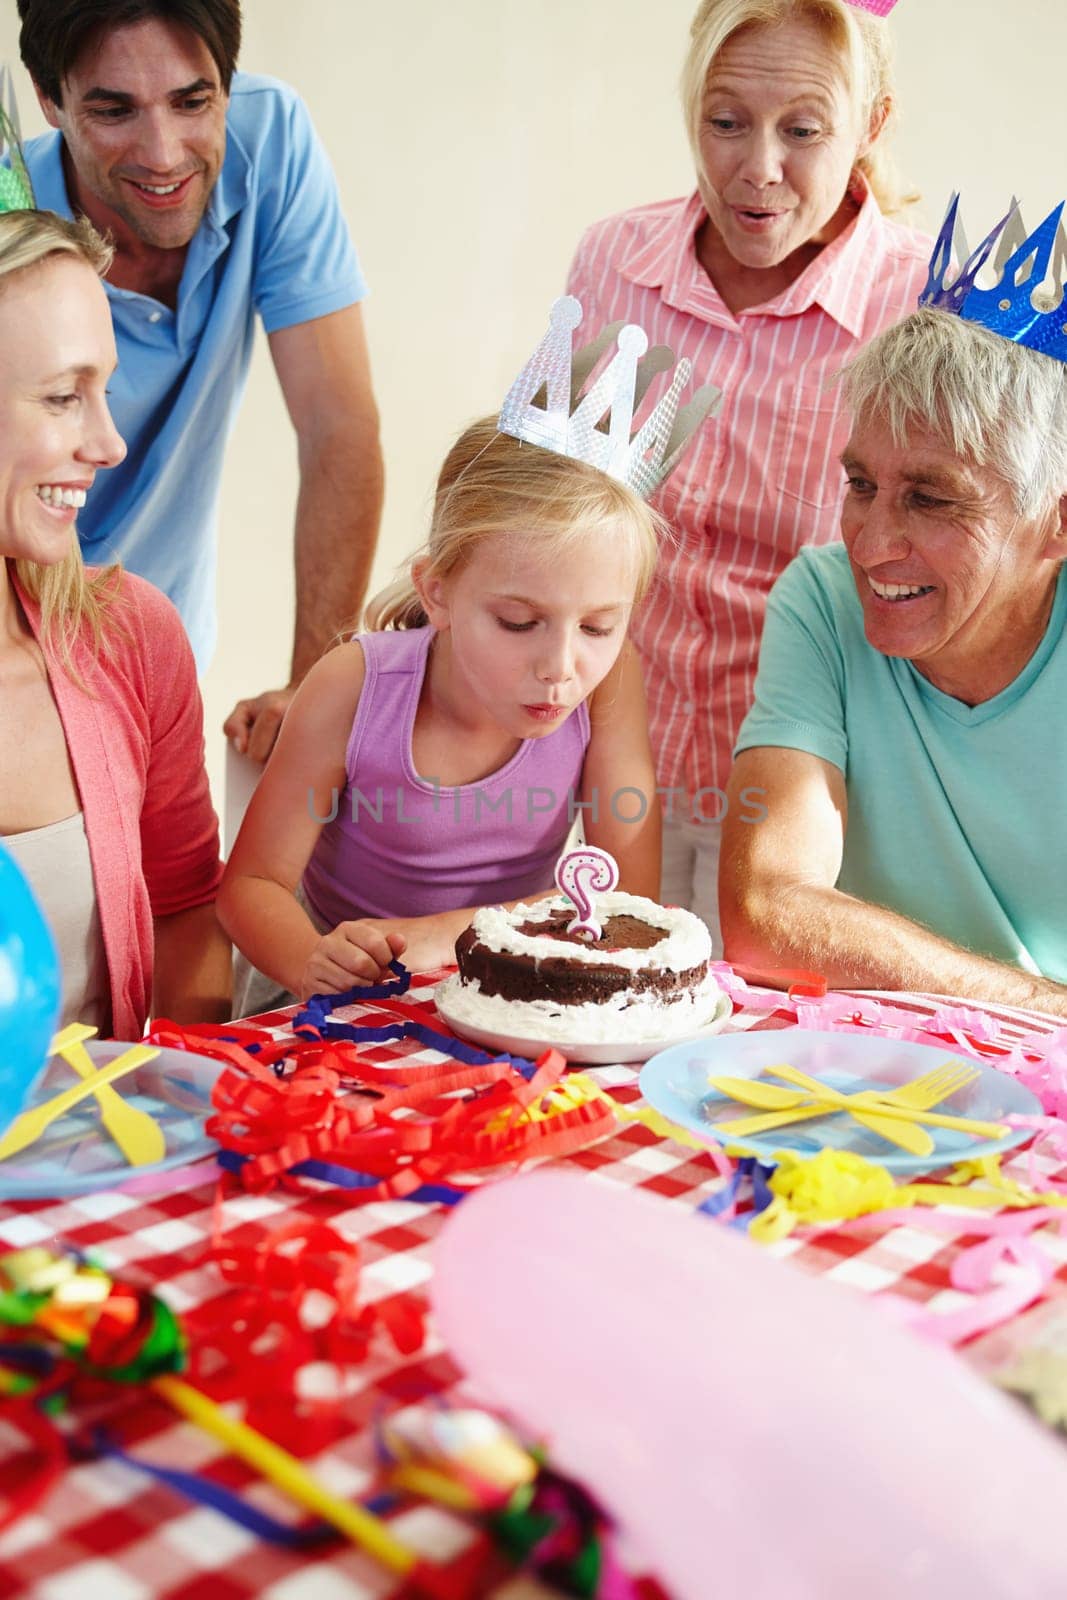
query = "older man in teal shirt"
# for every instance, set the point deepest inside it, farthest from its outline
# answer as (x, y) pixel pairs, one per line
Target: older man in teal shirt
(908, 725)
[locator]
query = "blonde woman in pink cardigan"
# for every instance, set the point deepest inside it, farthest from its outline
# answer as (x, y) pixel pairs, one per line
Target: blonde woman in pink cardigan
(104, 798)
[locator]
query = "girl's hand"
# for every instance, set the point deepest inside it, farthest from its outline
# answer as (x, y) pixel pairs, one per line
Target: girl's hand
(353, 952)
(427, 942)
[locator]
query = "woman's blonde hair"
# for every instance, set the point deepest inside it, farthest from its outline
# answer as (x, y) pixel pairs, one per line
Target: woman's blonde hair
(491, 484)
(71, 602)
(861, 40)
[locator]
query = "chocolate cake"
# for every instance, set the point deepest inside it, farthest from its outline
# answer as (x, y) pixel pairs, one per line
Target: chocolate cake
(645, 978)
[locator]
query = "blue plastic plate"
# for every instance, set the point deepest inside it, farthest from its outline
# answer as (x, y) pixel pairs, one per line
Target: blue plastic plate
(676, 1082)
(76, 1154)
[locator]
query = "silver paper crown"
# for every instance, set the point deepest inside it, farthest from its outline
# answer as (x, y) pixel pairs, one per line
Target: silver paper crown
(573, 424)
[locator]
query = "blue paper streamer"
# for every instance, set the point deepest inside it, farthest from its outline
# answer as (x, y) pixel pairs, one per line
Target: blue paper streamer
(204, 1492)
(425, 1035)
(315, 1017)
(748, 1170)
(31, 1359)
(346, 1178)
(761, 1190)
(319, 1006)
(41, 1362)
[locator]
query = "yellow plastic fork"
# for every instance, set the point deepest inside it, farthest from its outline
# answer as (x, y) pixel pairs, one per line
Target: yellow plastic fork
(138, 1135)
(31, 1124)
(927, 1091)
(921, 1093)
(896, 1129)
(934, 1119)
(787, 1106)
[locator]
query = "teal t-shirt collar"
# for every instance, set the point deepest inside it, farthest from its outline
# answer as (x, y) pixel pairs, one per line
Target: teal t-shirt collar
(973, 716)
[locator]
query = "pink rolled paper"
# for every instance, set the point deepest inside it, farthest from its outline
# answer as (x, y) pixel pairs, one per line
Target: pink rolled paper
(755, 1430)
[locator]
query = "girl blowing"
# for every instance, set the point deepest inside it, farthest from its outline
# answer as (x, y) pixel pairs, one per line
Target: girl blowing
(435, 763)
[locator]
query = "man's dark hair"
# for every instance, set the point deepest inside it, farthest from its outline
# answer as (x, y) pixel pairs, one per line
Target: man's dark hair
(55, 32)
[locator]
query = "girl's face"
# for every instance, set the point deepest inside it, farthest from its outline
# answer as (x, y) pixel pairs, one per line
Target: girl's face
(57, 352)
(527, 636)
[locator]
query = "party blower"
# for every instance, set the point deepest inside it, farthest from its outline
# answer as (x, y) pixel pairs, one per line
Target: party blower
(68, 1310)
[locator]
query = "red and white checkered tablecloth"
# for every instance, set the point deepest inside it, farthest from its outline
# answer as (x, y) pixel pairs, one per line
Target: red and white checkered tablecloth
(106, 1532)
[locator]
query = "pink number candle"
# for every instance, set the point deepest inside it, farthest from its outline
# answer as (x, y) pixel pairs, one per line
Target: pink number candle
(580, 874)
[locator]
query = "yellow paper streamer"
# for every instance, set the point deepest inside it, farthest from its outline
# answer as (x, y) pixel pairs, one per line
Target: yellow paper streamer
(836, 1185)
(567, 1095)
(649, 1118)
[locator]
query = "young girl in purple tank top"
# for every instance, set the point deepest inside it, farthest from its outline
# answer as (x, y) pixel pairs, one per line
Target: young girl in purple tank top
(417, 778)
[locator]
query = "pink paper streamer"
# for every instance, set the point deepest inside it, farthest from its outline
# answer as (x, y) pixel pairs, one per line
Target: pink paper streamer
(983, 1223)
(722, 1163)
(1051, 1140)
(175, 1179)
(758, 1000)
(973, 1271)
(843, 1013)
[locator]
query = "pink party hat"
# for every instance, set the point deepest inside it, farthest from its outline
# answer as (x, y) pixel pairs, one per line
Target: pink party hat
(878, 8)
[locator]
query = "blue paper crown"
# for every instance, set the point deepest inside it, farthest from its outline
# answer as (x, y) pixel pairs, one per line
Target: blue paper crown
(1022, 263)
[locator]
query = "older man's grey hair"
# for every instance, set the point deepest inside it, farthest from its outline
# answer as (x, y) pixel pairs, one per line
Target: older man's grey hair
(992, 401)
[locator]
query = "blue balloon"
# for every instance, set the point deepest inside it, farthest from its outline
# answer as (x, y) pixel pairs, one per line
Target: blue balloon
(29, 988)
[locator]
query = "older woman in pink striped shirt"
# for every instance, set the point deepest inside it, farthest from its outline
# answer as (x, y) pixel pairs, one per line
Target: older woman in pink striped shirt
(769, 278)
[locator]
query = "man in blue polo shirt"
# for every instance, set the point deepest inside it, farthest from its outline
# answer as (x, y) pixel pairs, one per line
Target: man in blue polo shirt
(221, 204)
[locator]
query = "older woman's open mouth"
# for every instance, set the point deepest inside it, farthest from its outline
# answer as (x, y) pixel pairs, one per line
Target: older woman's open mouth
(755, 218)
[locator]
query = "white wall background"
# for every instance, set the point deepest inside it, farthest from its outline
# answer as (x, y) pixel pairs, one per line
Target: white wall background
(473, 140)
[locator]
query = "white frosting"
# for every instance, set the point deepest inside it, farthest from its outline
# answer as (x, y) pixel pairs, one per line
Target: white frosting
(625, 1016)
(687, 943)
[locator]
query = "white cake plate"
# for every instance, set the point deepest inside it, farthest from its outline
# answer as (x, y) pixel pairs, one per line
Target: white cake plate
(591, 1053)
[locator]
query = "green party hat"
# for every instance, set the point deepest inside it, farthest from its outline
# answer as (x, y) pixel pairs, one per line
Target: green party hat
(16, 190)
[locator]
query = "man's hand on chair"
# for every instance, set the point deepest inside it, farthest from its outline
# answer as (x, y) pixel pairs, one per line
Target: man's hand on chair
(252, 726)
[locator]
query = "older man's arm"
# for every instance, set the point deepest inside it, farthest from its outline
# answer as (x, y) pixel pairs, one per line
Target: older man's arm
(780, 910)
(324, 371)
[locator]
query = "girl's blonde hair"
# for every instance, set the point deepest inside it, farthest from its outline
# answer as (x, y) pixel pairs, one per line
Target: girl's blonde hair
(861, 40)
(492, 484)
(71, 602)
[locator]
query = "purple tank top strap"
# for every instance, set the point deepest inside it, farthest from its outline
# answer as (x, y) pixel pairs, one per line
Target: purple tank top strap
(395, 665)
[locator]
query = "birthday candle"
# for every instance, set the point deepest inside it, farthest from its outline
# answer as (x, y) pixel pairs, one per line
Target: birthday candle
(578, 874)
